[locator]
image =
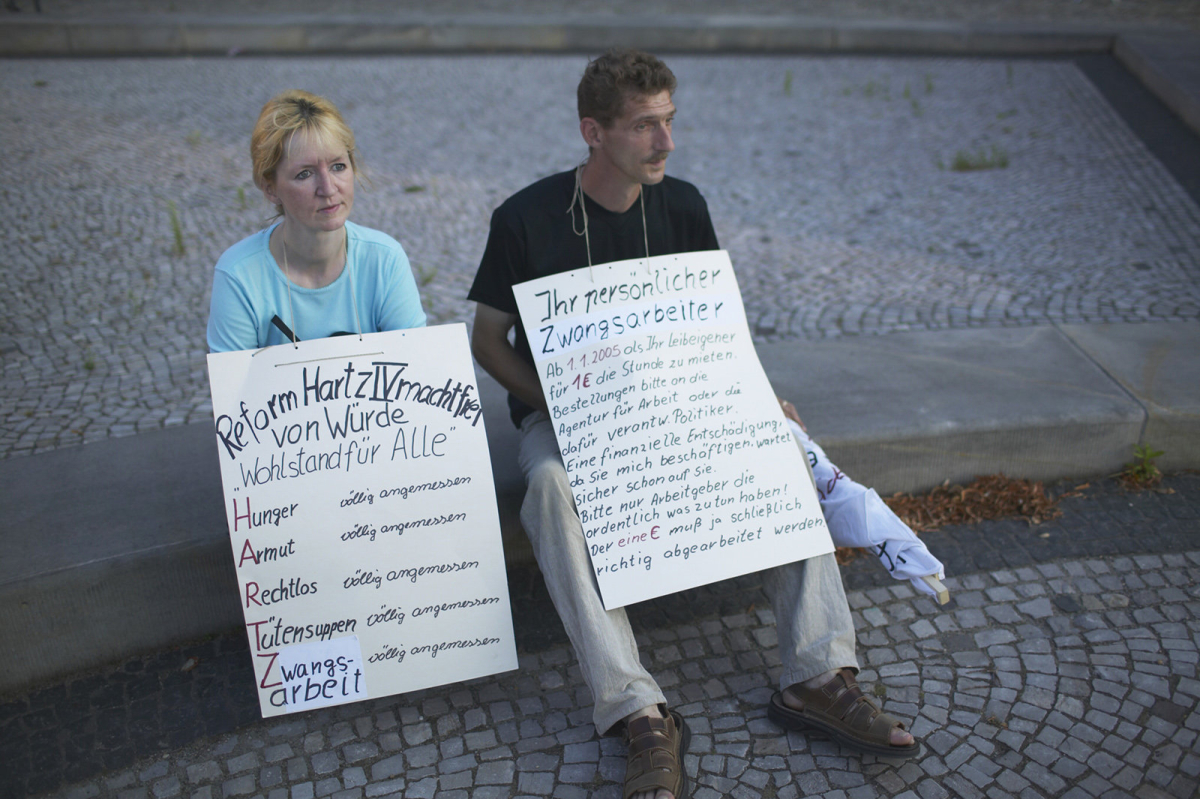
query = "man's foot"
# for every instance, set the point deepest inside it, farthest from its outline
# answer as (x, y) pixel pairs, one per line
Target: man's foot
(898, 736)
(834, 704)
(656, 743)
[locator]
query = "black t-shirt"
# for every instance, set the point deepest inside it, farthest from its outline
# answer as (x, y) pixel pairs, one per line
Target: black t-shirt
(532, 236)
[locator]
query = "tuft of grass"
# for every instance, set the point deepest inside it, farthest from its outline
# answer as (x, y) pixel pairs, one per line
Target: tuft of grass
(41, 84)
(426, 276)
(136, 303)
(912, 101)
(880, 690)
(787, 83)
(241, 198)
(176, 228)
(413, 189)
(1141, 472)
(978, 160)
(195, 138)
(928, 83)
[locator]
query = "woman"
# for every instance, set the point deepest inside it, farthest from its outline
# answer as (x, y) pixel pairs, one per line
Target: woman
(312, 273)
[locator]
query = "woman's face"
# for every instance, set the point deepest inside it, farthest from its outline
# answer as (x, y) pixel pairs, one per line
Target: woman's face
(314, 182)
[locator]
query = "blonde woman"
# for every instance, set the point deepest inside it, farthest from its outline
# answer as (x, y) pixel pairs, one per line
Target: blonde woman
(312, 273)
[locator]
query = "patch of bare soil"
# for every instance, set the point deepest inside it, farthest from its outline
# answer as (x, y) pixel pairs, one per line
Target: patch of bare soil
(991, 496)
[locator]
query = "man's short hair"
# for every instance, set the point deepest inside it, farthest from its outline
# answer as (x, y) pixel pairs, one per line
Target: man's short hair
(614, 77)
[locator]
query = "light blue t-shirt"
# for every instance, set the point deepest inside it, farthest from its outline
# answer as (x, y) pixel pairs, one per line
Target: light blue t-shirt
(249, 290)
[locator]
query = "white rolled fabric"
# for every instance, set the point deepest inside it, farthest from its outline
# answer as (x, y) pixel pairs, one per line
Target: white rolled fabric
(857, 517)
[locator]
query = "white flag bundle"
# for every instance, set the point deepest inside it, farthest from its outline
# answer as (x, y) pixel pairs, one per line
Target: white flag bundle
(857, 517)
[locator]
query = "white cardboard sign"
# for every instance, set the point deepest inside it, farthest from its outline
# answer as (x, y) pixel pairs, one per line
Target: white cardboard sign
(362, 515)
(322, 673)
(682, 466)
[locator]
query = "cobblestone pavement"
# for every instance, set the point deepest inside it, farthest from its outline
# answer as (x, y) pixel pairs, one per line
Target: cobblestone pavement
(832, 182)
(1068, 667)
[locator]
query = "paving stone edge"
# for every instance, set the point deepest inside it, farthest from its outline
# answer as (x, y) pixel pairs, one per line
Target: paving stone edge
(198, 35)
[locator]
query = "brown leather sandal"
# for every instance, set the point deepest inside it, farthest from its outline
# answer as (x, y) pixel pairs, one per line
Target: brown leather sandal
(656, 748)
(841, 710)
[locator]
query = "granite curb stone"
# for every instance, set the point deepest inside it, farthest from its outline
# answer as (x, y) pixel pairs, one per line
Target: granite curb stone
(1166, 62)
(289, 34)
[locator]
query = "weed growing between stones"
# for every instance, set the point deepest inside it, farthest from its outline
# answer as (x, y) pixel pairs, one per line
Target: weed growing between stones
(1141, 473)
(425, 275)
(912, 101)
(977, 160)
(176, 228)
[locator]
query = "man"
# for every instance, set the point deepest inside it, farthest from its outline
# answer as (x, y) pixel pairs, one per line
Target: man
(619, 205)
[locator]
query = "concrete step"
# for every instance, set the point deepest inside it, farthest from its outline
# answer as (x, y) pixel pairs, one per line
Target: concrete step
(1166, 59)
(120, 547)
(208, 34)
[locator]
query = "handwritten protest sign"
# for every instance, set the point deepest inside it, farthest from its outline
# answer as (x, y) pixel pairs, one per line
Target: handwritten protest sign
(362, 515)
(681, 463)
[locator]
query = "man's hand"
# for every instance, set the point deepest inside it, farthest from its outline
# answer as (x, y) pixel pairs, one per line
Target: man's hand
(789, 410)
(490, 346)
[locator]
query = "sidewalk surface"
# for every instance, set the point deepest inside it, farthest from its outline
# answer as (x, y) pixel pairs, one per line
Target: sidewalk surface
(1037, 316)
(1065, 665)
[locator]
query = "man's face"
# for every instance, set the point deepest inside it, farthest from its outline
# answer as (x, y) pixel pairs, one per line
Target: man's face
(638, 142)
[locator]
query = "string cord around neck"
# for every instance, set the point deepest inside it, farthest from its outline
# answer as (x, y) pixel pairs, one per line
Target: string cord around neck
(287, 274)
(577, 196)
(345, 265)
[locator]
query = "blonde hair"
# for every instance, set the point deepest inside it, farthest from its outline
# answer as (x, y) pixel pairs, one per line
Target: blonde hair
(286, 114)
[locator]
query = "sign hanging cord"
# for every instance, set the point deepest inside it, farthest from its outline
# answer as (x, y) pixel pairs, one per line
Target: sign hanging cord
(577, 197)
(345, 265)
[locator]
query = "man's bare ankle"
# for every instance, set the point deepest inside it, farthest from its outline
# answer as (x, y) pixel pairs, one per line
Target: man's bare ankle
(652, 711)
(820, 679)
